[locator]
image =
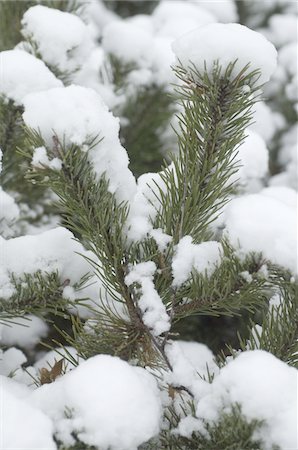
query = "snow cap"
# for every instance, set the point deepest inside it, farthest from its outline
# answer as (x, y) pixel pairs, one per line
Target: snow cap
(226, 43)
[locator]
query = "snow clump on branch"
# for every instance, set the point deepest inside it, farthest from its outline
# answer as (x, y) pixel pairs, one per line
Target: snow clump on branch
(155, 316)
(22, 74)
(226, 43)
(202, 258)
(78, 115)
(112, 404)
(62, 39)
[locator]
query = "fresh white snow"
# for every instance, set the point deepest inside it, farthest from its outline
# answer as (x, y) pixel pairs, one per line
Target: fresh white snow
(22, 74)
(226, 43)
(112, 405)
(62, 39)
(76, 115)
(154, 312)
(202, 258)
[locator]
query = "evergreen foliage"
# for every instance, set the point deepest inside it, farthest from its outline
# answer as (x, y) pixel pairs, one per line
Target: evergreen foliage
(197, 188)
(147, 114)
(188, 197)
(130, 8)
(231, 432)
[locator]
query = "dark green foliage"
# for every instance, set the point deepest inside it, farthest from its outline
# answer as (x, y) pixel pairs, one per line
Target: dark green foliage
(226, 286)
(12, 11)
(147, 114)
(34, 294)
(117, 70)
(11, 136)
(127, 8)
(253, 15)
(79, 445)
(14, 166)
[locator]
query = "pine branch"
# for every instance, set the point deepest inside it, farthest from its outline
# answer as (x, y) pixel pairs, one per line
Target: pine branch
(212, 126)
(278, 331)
(92, 213)
(233, 431)
(216, 113)
(34, 294)
(225, 292)
(14, 166)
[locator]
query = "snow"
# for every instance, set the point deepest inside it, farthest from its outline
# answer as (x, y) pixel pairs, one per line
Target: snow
(97, 15)
(77, 114)
(120, 38)
(94, 74)
(246, 276)
(245, 381)
(162, 239)
(62, 39)
(253, 157)
(22, 74)
(202, 258)
(150, 60)
(25, 332)
(191, 361)
(266, 122)
(288, 177)
(34, 428)
(174, 18)
(113, 405)
(224, 10)
(287, 158)
(144, 205)
(48, 252)
(11, 360)
(40, 160)
(226, 43)
(282, 29)
(155, 316)
(189, 425)
(265, 223)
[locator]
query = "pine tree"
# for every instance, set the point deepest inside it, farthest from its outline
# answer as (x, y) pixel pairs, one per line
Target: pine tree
(134, 267)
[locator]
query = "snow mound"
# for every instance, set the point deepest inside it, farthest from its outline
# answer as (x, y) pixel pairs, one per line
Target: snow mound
(22, 74)
(25, 332)
(265, 388)
(62, 39)
(128, 42)
(253, 159)
(34, 427)
(266, 223)
(226, 43)
(77, 114)
(112, 405)
(48, 252)
(202, 258)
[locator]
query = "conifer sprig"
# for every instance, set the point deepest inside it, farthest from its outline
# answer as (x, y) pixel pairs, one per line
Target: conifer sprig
(216, 111)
